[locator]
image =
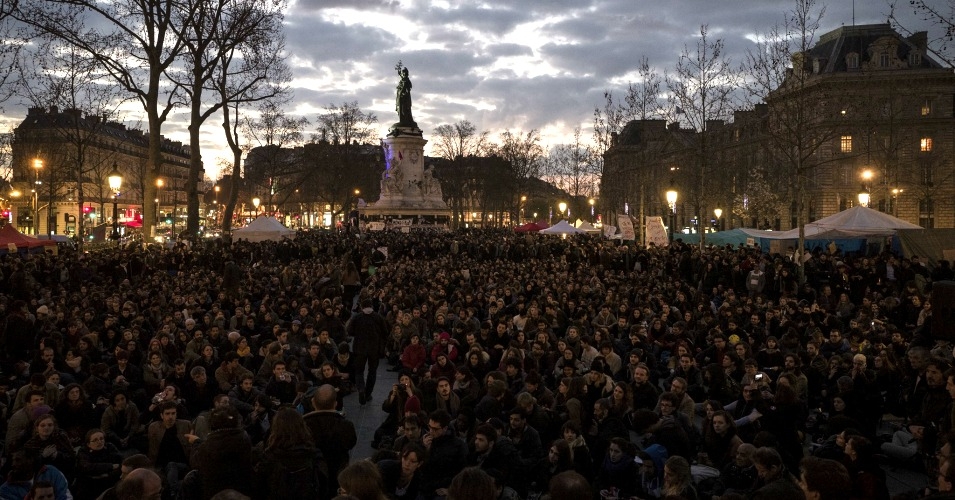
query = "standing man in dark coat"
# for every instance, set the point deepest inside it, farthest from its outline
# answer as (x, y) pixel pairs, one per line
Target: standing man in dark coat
(332, 433)
(224, 459)
(370, 332)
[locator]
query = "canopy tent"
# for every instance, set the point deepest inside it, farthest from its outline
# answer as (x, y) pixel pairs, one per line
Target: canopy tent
(933, 244)
(853, 224)
(263, 229)
(732, 237)
(586, 227)
(562, 227)
(20, 242)
(530, 227)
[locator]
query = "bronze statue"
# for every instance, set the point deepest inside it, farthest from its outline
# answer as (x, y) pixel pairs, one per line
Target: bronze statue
(403, 99)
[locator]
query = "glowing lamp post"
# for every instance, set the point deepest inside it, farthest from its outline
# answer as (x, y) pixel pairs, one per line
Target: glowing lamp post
(718, 212)
(671, 197)
(115, 180)
(562, 207)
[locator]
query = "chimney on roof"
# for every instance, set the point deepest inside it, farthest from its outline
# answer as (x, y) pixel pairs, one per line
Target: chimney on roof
(920, 40)
(54, 110)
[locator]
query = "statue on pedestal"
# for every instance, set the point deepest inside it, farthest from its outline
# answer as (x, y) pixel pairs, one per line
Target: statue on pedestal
(403, 98)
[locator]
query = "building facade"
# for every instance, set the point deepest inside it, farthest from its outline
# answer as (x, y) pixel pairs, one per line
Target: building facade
(61, 161)
(865, 116)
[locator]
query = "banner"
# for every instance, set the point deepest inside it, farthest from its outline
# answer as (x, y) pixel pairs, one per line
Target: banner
(610, 231)
(657, 232)
(626, 227)
(376, 226)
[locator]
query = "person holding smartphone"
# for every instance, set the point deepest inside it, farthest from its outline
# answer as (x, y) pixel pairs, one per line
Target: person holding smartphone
(281, 386)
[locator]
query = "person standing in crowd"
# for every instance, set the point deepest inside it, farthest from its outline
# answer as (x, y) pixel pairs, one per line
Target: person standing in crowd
(332, 433)
(370, 332)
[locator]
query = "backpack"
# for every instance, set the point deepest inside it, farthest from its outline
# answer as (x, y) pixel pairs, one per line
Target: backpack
(306, 481)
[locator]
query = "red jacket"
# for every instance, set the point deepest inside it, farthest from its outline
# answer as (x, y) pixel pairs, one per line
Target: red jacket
(451, 351)
(413, 356)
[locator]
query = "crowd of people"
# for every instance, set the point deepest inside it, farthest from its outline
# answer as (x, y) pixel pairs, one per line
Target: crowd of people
(528, 366)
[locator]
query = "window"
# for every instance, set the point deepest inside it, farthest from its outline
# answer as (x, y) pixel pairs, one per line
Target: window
(852, 60)
(883, 59)
(925, 144)
(927, 174)
(845, 144)
(926, 108)
(927, 213)
(915, 59)
(816, 66)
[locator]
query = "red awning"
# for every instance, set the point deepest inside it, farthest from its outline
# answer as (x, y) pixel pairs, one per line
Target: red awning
(133, 223)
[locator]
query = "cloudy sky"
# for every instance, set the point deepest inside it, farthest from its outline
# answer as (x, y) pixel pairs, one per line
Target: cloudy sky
(505, 64)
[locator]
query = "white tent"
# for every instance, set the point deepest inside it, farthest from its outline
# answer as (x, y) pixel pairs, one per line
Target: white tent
(855, 223)
(562, 227)
(263, 229)
(586, 227)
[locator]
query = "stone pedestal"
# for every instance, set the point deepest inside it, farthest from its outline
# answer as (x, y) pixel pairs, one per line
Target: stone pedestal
(408, 189)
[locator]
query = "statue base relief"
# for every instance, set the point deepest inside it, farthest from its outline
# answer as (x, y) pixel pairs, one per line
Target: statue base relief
(408, 188)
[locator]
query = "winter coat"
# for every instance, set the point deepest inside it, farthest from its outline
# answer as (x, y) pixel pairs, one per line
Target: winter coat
(224, 460)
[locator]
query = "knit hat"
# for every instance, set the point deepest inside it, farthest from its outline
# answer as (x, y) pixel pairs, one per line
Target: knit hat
(444, 336)
(39, 411)
(43, 310)
(413, 405)
(734, 339)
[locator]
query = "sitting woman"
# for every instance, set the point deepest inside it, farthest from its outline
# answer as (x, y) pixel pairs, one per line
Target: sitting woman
(559, 459)
(75, 413)
(51, 445)
(97, 466)
(720, 441)
(442, 367)
(400, 478)
(394, 405)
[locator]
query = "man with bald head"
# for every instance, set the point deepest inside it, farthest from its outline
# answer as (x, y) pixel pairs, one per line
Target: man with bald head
(331, 431)
(140, 484)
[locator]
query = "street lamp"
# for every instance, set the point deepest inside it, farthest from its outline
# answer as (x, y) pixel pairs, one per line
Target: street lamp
(562, 207)
(255, 203)
(37, 166)
(159, 184)
(718, 212)
(671, 197)
(864, 194)
(115, 184)
(895, 201)
(592, 202)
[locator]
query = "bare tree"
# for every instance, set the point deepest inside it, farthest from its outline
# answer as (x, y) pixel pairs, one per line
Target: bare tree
(524, 153)
(800, 125)
(346, 154)
(60, 76)
(459, 140)
(941, 15)
(134, 43)
(273, 168)
(457, 143)
(642, 101)
(250, 72)
(701, 95)
(212, 30)
(571, 167)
